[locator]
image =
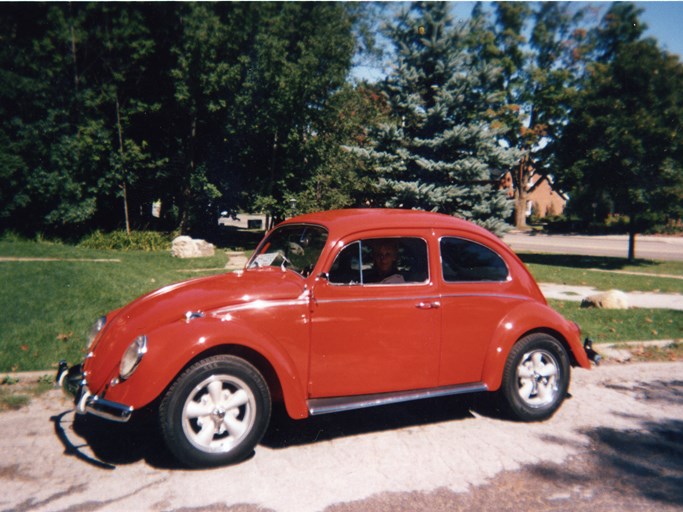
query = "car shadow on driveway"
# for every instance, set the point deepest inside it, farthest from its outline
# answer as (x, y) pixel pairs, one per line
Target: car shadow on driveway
(107, 444)
(284, 431)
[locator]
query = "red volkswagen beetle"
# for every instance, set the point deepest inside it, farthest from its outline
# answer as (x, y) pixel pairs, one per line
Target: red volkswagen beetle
(335, 311)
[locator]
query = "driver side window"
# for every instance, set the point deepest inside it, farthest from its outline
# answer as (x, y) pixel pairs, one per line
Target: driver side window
(381, 261)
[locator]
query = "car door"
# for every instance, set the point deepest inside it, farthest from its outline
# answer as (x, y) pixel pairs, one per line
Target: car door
(375, 337)
(476, 296)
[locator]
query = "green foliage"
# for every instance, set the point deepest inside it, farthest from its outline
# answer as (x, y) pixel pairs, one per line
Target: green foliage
(624, 142)
(538, 76)
(339, 178)
(122, 241)
(108, 108)
(437, 151)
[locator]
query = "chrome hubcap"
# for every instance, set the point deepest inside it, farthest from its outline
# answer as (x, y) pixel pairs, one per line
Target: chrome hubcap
(218, 414)
(538, 375)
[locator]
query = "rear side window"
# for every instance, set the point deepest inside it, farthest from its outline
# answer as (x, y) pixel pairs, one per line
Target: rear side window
(464, 260)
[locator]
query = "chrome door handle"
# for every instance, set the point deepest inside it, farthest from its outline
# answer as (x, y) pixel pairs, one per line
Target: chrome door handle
(428, 305)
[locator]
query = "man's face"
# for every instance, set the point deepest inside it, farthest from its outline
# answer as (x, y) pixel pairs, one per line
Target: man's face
(384, 257)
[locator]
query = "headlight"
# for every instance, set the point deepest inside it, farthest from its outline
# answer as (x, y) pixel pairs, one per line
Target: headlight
(95, 330)
(132, 357)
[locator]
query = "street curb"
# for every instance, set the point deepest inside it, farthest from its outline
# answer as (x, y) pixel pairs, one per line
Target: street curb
(29, 376)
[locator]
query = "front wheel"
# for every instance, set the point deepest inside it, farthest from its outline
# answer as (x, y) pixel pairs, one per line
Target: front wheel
(535, 378)
(215, 412)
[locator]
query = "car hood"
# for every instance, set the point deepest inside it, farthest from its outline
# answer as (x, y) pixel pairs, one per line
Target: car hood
(172, 303)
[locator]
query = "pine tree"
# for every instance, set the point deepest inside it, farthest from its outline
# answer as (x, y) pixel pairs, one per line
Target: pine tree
(439, 152)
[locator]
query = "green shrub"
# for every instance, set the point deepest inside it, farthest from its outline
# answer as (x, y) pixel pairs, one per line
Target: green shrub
(148, 241)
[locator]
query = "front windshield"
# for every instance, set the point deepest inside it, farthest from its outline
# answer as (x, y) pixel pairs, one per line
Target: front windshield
(293, 247)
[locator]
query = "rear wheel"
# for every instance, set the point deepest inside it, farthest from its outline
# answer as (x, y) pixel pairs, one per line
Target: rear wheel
(535, 378)
(215, 412)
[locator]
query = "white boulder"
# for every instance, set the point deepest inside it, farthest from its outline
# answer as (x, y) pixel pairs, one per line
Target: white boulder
(612, 299)
(187, 247)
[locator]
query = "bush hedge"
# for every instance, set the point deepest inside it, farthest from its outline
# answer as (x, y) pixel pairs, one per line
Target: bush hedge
(120, 240)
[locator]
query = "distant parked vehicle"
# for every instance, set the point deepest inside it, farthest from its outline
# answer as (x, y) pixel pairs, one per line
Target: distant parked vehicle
(334, 311)
(242, 220)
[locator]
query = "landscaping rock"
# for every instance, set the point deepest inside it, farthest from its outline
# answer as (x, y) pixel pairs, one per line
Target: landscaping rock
(612, 299)
(186, 247)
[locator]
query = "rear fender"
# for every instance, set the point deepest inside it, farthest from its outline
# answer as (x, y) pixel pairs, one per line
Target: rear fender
(526, 318)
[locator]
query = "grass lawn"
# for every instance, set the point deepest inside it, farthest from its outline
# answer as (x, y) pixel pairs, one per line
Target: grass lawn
(606, 273)
(48, 306)
(603, 325)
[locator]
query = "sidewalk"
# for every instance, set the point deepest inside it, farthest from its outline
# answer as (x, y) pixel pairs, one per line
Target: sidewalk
(635, 299)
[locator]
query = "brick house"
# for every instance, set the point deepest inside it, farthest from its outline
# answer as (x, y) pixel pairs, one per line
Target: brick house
(542, 198)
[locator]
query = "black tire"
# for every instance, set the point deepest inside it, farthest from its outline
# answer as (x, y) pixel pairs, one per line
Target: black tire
(215, 412)
(536, 378)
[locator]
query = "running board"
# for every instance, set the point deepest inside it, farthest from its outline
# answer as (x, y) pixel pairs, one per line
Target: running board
(318, 406)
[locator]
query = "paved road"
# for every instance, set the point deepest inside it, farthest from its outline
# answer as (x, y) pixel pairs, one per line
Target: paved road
(616, 444)
(647, 247)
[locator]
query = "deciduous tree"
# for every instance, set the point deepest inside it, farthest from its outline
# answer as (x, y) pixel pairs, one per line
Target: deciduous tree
(624, 139)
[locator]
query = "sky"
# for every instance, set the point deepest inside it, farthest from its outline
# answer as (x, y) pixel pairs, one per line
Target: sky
(664, 22)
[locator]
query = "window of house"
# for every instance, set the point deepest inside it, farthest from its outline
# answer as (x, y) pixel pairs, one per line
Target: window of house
(464, 260)
(381, 261)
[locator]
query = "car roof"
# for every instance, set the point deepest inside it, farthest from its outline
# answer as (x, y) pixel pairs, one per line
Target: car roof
(355, 219)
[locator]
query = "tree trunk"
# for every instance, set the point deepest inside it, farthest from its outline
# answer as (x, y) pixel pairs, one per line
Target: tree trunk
(187, 191)
(632, 231)
(520, 181)
(520, 208)
(73, 49)
(123, 178)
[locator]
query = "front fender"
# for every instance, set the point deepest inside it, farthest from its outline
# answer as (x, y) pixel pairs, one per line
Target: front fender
(171, 347)
(526, 318)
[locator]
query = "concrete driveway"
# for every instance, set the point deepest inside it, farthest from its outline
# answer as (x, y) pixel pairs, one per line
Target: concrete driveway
(431, 455)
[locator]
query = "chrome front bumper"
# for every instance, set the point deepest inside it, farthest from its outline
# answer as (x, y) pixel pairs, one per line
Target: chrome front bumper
(74, 386)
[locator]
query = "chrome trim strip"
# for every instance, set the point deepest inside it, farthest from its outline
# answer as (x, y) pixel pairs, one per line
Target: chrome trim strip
(318, 406)
(380, 299)
(496, 295)
(302, 300)
(424, 298)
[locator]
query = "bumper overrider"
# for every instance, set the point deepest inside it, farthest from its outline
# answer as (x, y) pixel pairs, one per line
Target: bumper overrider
(75, 386)
(592, 354)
